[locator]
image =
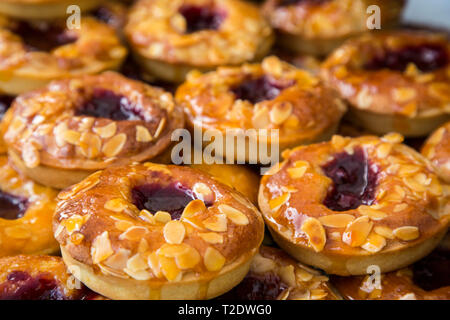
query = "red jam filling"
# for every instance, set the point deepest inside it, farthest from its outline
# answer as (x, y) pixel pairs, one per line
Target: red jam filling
(12, 207)
(20, 285)
(432, 272)
(43, 36)
(107, 104)
(200, 18)
(267, 286)
(154, 197)
(427, 58)
(354, 181)
(5, 103)
(285, 3)
(104, 14)
(259, 89)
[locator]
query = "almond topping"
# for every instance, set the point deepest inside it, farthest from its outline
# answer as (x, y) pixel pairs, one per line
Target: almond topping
(211, 237)
(262, 264)
(372, 213)
(407, 233)
(384, 150)
(217, 223)
(236, 216)
(107, 131)
(162, 217)
(114, 145)
(101, 248)
(280, 112)
(203, 192)
(287, 274)
(116, 205)
(374, 243)
(384, 231)
(71, 136)
(315, 233)
(174, 232)
(160, 127)
(336, 220)
(194, 207)
(213, 259)
(142, 134)
(134, 233)
(169, 268)
(188, 259)
(277, 202)
(393, 137)
(357, 231)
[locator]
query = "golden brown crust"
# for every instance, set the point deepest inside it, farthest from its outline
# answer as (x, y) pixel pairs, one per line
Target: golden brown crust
(303, 112)
(97, 48)
(411, 95)
(31, 234)
(46, 267)
(156, 31)
(437, 150)
(43, 129)
(99, 227)
(410, 211)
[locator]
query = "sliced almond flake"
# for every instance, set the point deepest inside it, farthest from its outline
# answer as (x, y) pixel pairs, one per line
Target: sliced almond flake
(408, 296)
(296, 173)
(134, 233)
(374, 243)
(160, 128)
(400, 207)
(336, 220)
(315, 233)
(287, 274)
(217, 223)
(107, 131)
(137, 263)
(357, 231)
(140, 275)
(213, 259)
(194, 207)
(188, 259)
(386, 232)
(407, 233)
(162, 217)
(101, 248)
(236, 216)
(373, 214)
(203, 192)
(174, 232)
(153, 263)
(142, 134)
(116, 205)
(262, 264)
(114, 145)
(169, 268)
(277, 202)
(211, 237)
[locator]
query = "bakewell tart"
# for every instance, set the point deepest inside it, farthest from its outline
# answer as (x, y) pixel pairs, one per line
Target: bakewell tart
(269, 95)
(437, 150)
(40, 277)
(170, 38)
(26, 210)
(276, 276)
(28, 62)
(350, 203)
(60, 134)
(318, 26)
(148, 231)
(43, 9)
(395, 81)
(427, 279)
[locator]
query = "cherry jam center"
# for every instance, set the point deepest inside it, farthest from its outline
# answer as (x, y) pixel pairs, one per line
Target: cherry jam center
(107, 104)
(20, 285)
(12, 207)
(431, 272)
(5, 103)
(200, 18)
(284, 3)
(354, 181)
(43, 36)
(154, 197)
(259, 89)
(267, 286)
(427, 58)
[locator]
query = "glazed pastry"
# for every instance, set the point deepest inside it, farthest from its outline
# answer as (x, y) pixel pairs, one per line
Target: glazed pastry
(437, 150)
(170, 38)
(239, 177)
(398, 81)
(427, 279)
(28, 62)
(318, 26)
(350, 203)
(5, 103)
(307, 62)
(129, 242)
(113, 13)
(40, 278)
(270, 95)
(43, 9)
(26, 211)
(276, 276)
(60, 134)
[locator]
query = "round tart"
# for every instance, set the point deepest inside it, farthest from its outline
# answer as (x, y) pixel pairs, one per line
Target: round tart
(347, 204)
(40, 278)
(427, 279)
(170, 38)
(319, 26)
(398, 81)
(26, 211)
(44, 9)
(274, 275)
(437, 150)
(148, 231)
(60, 134)
(28, 62)
(270, 95)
